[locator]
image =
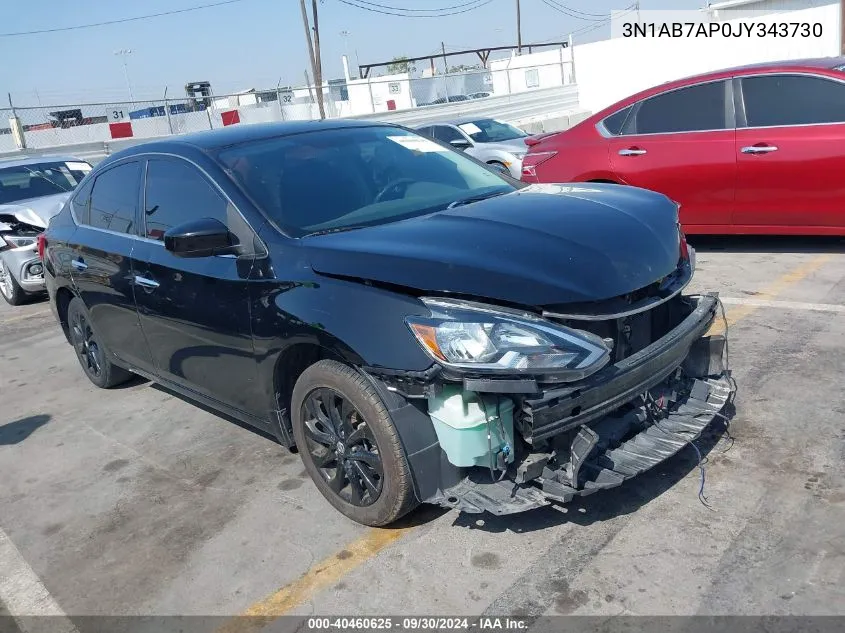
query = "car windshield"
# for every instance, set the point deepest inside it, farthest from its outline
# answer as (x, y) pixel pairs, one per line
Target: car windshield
(35, 180)
(349, 178)
(491, 131)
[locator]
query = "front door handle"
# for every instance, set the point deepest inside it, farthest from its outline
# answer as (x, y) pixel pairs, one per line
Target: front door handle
(78, 264)
(145, 283)
(632, 151)
(759, 149)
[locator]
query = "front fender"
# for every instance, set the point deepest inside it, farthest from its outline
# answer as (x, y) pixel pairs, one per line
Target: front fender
(357, 323)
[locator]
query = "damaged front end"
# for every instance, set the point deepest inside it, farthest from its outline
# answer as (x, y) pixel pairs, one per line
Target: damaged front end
(509, 443)
(18, 249)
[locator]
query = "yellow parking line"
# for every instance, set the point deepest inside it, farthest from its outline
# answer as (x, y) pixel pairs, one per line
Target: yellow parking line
(320, 576)
(771, 291)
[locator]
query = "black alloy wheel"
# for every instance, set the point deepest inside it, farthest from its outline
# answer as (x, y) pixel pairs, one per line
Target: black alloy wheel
(349, 444)
(93, 356)
(85, 343)
(342, 446)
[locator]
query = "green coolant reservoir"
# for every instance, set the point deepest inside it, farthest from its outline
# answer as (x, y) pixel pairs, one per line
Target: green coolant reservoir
(462, 426)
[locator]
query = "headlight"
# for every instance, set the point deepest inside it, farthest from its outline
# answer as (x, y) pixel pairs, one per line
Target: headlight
(476, 337)
(519, 155)
(16, 241)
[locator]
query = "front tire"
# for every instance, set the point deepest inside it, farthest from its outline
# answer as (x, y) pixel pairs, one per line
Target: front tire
(9, 288)
(93, 355)
(349, 445)
(500, 166)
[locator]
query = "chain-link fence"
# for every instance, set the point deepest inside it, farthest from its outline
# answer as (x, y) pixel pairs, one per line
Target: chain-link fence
(51, 126)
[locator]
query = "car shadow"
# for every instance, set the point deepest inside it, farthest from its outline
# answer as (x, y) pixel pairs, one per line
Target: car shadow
(608, 504)
(135, 381)
(766, 244)
(215, 412)
(19, 430)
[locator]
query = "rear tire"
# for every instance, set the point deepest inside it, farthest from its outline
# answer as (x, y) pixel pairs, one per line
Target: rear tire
(9, 288)
(93, 355)
(349, 445)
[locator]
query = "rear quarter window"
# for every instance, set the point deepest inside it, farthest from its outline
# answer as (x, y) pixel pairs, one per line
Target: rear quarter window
(615, 122)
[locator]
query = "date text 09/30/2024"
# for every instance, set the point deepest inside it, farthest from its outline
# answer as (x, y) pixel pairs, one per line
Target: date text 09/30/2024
(416, 623)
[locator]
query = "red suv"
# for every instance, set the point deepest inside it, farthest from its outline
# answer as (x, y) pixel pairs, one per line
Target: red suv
(757, 149)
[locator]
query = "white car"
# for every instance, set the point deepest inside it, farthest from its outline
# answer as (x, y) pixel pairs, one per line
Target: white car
(494, 142)
(32, 190)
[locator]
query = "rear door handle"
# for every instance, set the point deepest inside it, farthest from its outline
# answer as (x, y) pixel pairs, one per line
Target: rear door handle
(632, 151)
(78, 264)
(145, 283)
(759, 149)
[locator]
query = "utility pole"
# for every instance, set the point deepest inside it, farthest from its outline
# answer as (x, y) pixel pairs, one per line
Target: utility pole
(311, 56)
(842, 27)
(445, 71)
(318, 60)
(518, 30)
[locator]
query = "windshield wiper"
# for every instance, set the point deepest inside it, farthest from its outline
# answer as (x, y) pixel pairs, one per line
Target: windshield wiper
(475, 198)
(337, 229)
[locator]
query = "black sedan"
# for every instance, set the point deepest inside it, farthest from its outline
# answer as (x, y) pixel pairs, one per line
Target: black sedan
(421, 327)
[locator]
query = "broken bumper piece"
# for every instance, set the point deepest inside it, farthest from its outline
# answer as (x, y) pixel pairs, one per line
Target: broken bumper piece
(650, 407)
(596, 461)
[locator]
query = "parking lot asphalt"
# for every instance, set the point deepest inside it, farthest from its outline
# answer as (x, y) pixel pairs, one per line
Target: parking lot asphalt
(134, 501)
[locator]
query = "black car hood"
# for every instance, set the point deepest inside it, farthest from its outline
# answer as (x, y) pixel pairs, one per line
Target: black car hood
(540, 245)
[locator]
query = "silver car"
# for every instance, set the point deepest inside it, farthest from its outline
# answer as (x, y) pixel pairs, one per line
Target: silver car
(32, 190)
(494, 142)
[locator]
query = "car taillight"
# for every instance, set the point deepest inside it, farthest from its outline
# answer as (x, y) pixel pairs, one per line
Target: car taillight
(532, 160)
(41, 240)
(684, 254)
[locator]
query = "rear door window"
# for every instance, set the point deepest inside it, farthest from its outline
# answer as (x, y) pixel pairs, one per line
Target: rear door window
(773, 100)
(114, 199)
(692, 109)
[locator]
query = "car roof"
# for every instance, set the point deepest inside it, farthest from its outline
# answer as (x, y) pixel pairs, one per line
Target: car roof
(35, 160)
(793, 65)
(816, 63)
(236, 134)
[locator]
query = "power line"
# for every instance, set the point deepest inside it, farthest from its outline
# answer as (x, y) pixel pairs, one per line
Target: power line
(586, 13)
(593, 27)
(407, 15)
(566, 11)
(122, 20)
(387, 6)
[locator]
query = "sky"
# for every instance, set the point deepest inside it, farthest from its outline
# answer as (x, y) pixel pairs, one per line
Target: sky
(250, 43)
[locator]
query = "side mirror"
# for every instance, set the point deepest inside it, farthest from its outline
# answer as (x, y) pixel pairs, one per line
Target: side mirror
(200, 238)
(460, 143)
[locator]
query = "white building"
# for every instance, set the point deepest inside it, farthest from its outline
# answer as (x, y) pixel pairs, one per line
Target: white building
(519, 73)
(736, 9)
